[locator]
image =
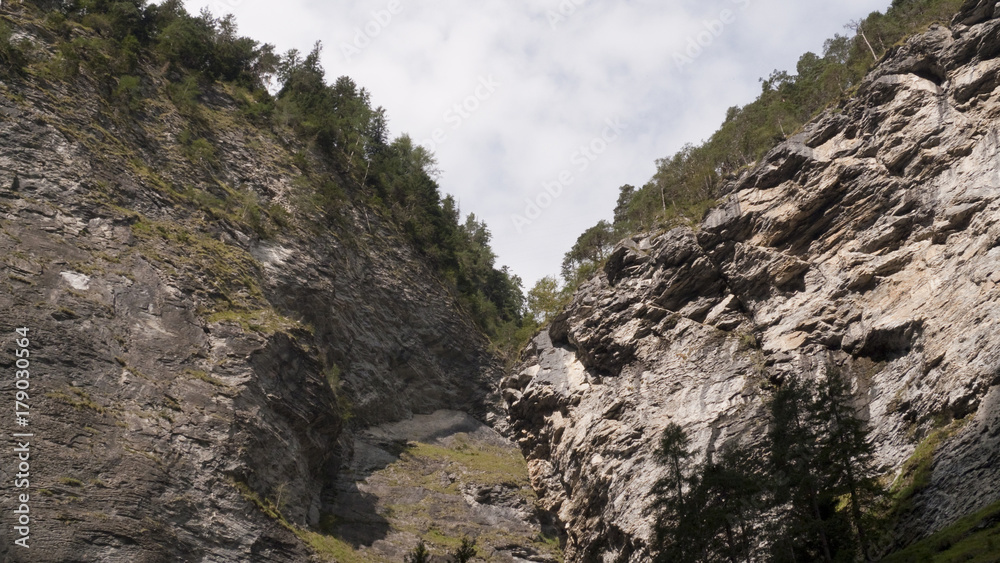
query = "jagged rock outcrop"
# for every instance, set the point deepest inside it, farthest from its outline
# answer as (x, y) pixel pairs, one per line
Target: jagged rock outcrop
(185, 365)
(870, 239)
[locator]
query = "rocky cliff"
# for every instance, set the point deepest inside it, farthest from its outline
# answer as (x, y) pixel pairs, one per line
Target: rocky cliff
(199, 333)
(870, 239)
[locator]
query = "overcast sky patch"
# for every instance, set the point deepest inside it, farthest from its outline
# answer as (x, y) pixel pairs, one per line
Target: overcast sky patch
(560, 75)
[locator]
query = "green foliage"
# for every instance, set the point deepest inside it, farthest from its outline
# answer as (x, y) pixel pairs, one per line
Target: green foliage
(810, 493)
(338, 117)
(198, 150)
(57, 22)
(126, 57)
(65, 65)
(546, 300)
(398, 178)
(348, 165)
(803, 531)
(708, 512)
(819, 443)
(512, 336)
(589, 253)
(128, 93)
(117, 19)
(13, 55)
(915, 474)
(696, 173)
(465, 552)
(336, 384)
(184, 94)
(91, 52)
(419, 554)
(257, 106)
(208, 45)
(846, 455)
(973, 539)
(108, 60)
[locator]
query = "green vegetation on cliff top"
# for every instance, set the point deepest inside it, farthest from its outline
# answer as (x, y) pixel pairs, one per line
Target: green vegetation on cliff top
(687, 183)
(140, 56)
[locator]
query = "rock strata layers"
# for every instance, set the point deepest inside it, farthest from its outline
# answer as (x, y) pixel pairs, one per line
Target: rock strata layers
(870, 239)
(188, 369)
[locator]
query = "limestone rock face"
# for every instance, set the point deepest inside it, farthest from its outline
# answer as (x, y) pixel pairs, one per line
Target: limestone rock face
(187, 368)
(870, 239)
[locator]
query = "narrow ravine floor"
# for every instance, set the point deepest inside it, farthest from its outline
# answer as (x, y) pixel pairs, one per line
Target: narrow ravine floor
(436, 478)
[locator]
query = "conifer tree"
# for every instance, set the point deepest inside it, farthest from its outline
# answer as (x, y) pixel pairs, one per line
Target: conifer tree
(676, 538)
(731, 492)
(844, 451)
(419, 554)
(465, 552)
(801, 534)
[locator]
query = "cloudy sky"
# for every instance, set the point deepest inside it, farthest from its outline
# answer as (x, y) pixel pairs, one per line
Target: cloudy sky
(538, 110)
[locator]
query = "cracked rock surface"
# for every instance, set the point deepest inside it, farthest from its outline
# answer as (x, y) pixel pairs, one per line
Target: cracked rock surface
(187, 367)
(870, 239)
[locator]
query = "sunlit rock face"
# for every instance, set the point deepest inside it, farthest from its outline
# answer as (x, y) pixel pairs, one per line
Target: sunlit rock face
(870, 240)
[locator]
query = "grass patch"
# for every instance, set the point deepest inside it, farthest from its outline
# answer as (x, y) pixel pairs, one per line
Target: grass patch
(334, 549)
(229, 274)
(65, 314)
(916, 472)
(171, 403)
(490, 465)
(973, 539)
(439, 538)
(552, 544)
(344, 403)
(264, 321)
(21, 279)
(70, 482)
(203, 376)
(329, 548)
(747, 341)
(265, 505)
(81, 400)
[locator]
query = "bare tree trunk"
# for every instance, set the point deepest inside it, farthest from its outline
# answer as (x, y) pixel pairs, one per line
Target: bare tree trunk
(366, 173)
(856, 513)
(857, 27)
(855, 503)
(822, 531)
(731, 539)
(870, 48)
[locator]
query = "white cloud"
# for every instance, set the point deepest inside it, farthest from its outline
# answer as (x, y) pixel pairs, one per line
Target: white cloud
(557, 87)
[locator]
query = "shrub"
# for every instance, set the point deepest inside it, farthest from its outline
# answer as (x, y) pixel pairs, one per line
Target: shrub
(184, 94)
(128, 93)
(13, 55)
(465, 552)
(419, 554)
(196, 149)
